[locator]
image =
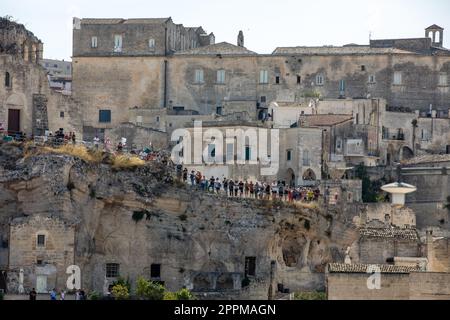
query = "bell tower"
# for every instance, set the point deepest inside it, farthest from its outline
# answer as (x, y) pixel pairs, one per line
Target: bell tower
(436, 34)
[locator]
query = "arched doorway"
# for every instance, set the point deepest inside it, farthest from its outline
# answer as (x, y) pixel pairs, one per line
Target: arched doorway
(309, 175)
(290, 177)
(406, 153)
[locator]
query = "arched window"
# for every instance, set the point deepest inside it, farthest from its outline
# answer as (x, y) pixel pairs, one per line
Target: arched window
(7, 80)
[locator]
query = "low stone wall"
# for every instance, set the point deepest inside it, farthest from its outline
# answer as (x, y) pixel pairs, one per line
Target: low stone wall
(353, 286)
(412, 286)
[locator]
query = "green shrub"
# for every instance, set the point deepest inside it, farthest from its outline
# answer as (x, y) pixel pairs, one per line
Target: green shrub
(120, 292)
(121, 281)
(94, 295)
(170, 296)
(149, 290)
(184, 294)
(316, 295)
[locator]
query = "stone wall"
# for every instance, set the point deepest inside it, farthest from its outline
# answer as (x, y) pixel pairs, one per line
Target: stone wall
(353, 286)
(49, 260)
(183, 230)
(137, 136)
(378, 250)
(412, 286)
(29, 91)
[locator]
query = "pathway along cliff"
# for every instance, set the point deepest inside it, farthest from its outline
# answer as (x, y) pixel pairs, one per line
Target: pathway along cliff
(214, 245)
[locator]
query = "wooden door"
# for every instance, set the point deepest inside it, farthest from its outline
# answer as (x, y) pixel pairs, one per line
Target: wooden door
(13, 121)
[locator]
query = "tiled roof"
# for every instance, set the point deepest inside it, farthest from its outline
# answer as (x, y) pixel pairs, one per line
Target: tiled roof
(331, 50)
(362, 268)
(410, 234)
(124, 21)
(429, 158)
(223, 48)
(317, 120)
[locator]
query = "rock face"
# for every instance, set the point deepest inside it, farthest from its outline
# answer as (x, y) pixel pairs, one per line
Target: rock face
(168, 231)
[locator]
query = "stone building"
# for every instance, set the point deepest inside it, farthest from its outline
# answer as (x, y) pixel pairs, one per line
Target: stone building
(224, 78)
(59, 74)
(43, 247)
(391, 260)
(27, 103)
(254, 152)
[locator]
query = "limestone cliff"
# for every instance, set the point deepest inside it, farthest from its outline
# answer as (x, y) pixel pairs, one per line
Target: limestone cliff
(136, 219)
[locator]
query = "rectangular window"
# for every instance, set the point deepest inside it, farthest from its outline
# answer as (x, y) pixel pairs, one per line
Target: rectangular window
(61, 114)
(94, 42)
(372, 78)
(41, 240)
(219, 110)
(247, 153)
(277, 79)
(250, 266)
(363, 68)
(263, 77)
(104, 116)
(299, 79)
(339, 144)
(306, 161)
(199, 76)
(342, 86)
(117, 43)
(443, 79)
(397, 78)
(319, 80)
(155, 271)
(425, 135)
(157, 119)
(263, 99)
(288, 155)
(112, 270)
(220, 76)
(230, 151)
(151, 44)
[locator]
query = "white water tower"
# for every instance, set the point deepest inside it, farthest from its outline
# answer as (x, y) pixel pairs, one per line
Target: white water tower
(398, 191)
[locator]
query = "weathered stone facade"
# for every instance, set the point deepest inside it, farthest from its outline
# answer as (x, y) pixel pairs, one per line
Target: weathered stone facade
(208, 79)
(43, 246)
(27, 104)
(199, 240)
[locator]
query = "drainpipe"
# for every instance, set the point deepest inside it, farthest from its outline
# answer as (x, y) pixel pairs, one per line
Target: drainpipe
(165, 84)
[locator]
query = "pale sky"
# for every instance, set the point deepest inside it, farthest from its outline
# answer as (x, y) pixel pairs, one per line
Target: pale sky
(266, 24)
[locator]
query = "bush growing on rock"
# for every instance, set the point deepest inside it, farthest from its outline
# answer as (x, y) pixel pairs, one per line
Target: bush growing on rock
(310, 296)
(149, 290)
(120, 292)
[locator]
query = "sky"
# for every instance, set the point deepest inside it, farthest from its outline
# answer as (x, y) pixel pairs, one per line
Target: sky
(266, 24)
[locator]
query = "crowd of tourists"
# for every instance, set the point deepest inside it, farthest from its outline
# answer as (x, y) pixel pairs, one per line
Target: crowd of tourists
(276, 190)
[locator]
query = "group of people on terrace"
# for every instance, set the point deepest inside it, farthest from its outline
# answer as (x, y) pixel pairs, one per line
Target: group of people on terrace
(276, 190)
